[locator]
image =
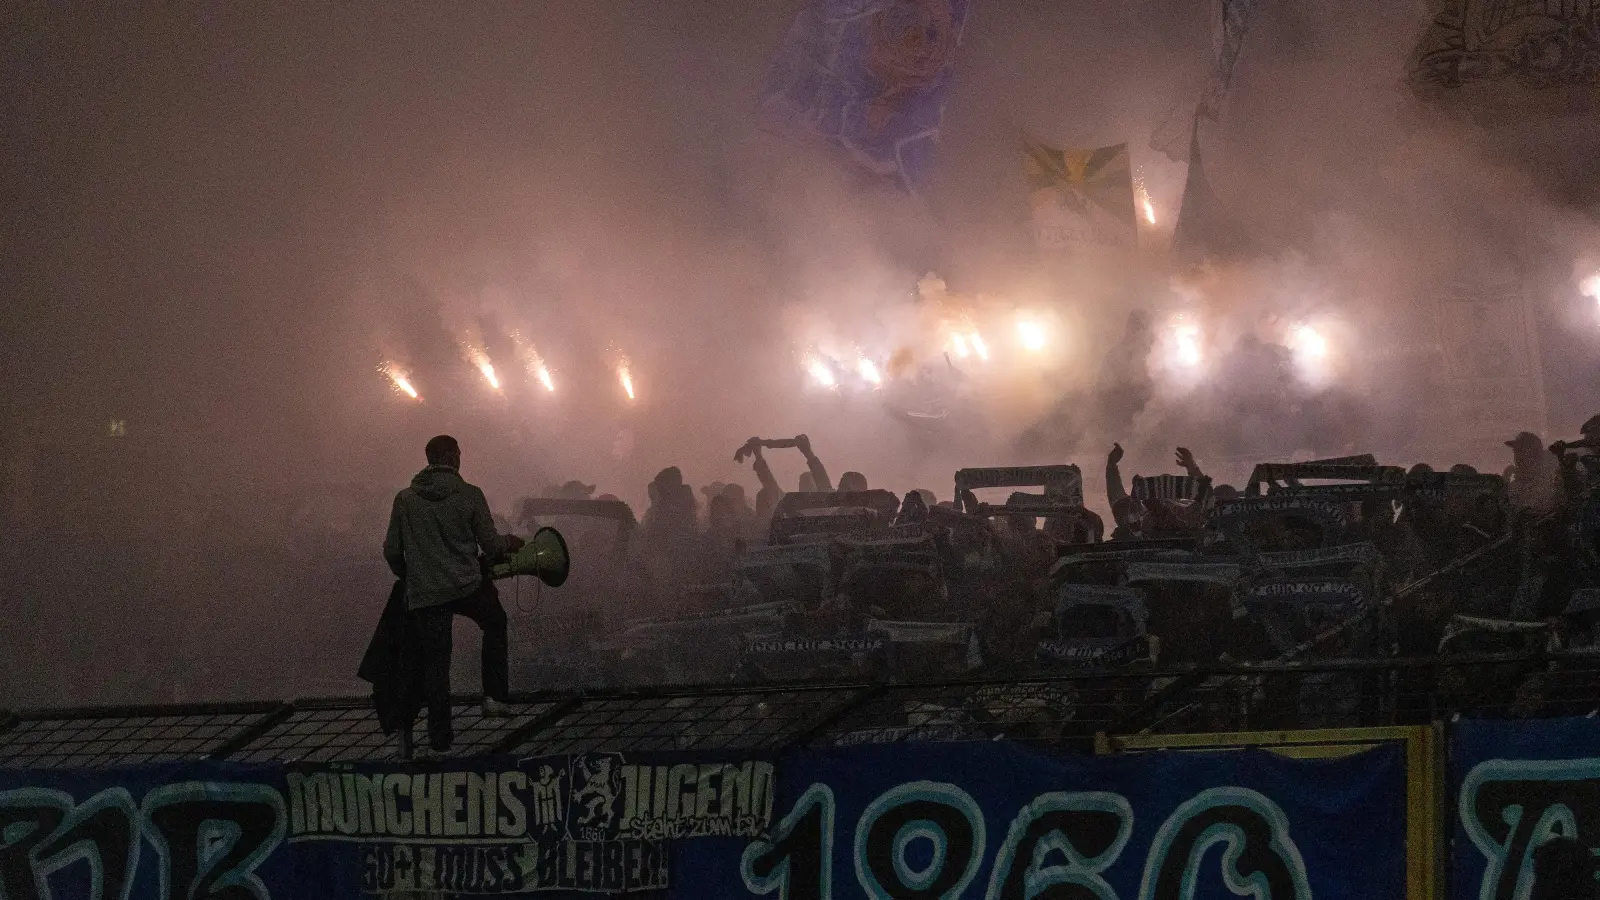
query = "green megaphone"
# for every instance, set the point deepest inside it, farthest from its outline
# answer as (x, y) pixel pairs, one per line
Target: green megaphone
(544, 556)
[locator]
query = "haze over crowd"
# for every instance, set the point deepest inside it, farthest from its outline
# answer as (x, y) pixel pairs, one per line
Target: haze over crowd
(221, 222)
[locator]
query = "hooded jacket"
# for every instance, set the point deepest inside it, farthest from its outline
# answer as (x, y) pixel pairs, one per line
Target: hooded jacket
(435, 531)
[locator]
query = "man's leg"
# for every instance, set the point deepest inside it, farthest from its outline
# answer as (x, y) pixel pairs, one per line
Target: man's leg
(433, 626)
(484, 608)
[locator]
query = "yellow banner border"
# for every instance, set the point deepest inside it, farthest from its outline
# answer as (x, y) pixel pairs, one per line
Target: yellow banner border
(1425, 790)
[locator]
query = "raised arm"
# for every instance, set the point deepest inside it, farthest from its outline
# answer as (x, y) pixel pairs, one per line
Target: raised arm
(1187, 461)
(1116, 494)
(819, 473)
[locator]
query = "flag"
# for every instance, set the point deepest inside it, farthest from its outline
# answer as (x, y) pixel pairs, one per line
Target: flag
(1174, 135)
(1080, 198)
(1204, 229)
(869, 77)
(1524, 43)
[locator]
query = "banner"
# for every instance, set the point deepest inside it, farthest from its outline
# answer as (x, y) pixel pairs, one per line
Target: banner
(1493, 371)
(1178, 136)
(995, 820)
(1527, 808)
(548, 827)
(1531, 44)
(870, 77)
(1081, 199)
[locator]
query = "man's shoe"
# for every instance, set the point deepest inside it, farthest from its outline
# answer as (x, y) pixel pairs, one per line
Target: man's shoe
(494, 709)
(401, 742)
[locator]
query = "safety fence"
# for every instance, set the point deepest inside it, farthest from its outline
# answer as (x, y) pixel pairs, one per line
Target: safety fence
(1052, 709)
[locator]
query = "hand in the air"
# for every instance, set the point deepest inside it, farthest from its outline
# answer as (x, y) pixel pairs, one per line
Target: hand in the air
(804, 443)
(1185, 458)
(1115, 456)
(750, 448)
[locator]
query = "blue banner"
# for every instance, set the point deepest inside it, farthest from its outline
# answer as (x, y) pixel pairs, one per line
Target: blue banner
(1000, 821)
(989, 820)
(547, 827)
(1527, 804)
(870, 77)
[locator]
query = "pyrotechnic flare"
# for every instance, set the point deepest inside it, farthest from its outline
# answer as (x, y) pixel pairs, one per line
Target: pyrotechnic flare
(821, 373)
(958, 344)
(1591, 287)
(1186, 341)
(533, 362)
(1032, 335)
(1145, 206)
(480, 361)
(869, 371)
(1309, 342)
(978, 346)
(401, 381)
(625, 376)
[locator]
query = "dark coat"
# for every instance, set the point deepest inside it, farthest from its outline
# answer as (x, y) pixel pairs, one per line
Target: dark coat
(393, 664)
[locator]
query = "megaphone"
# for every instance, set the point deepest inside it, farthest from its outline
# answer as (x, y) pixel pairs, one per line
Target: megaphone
(544, 556)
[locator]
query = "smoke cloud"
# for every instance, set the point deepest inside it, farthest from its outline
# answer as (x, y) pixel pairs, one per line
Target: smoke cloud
(223, 223)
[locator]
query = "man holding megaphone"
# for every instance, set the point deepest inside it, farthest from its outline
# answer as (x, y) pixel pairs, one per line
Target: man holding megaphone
(438, 526)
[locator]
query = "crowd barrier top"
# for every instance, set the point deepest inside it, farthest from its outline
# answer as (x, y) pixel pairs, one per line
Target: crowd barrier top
(1068, 710)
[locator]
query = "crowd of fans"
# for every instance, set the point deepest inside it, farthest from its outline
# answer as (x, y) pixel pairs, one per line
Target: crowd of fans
(1328, 558)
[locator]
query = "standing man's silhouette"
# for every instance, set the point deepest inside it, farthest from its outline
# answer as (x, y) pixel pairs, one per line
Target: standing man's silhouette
(438, 526)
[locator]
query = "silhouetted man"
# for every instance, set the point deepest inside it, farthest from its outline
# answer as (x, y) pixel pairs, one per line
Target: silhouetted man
(438, 526)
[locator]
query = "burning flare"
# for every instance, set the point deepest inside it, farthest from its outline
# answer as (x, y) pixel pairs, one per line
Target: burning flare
(821, 373)
(1590, 287)
(1032, 335)
(400, 379)
(978, 346)
(869, 371)
(479, 358)
(1186, 345)
(534, 363)
(1309, 342)
(625, 376)
(1145, 206)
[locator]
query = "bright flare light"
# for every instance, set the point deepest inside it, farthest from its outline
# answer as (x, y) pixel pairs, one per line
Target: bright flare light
(1148, 208)
(1309, 342)
(958, 344)
(821, 373)
(979, 347)
(480, 361)
(1591, 287)
(1186, 344)
(869, 371)
(1032, 335)
(534, 363)
(401, 381)
(626, 377)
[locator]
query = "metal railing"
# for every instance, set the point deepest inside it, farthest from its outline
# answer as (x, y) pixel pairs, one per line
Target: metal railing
(1059, 709)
